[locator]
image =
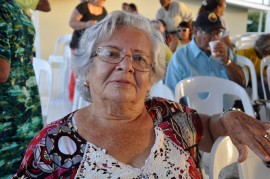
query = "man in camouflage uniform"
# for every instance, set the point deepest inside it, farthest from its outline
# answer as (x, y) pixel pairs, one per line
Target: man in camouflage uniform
(20, 108)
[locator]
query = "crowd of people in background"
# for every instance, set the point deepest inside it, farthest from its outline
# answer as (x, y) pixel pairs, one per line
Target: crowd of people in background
(173, 46)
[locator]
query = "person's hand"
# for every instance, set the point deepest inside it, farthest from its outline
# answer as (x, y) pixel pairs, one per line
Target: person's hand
(90, 23)
(246, 131)
(220, 50)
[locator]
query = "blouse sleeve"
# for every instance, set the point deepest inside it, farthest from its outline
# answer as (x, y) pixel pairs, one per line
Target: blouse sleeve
(180, 123)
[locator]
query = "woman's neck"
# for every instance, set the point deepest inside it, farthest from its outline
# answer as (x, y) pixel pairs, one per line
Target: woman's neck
(95, 9)
(120, 112)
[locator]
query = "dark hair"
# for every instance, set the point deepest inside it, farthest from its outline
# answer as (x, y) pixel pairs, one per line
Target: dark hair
(187, 24)
(262, 44)
(209, 5)
(133, 7)
(163, 23)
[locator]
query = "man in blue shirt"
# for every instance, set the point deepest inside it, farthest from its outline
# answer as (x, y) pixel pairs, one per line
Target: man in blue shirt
(195, 59)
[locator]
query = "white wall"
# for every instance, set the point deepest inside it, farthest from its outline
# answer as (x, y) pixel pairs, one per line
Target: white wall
(55, 23)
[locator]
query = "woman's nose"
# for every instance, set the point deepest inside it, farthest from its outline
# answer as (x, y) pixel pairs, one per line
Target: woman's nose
(126, 64)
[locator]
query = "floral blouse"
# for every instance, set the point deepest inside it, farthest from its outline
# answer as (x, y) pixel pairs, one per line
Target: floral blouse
(58, 151)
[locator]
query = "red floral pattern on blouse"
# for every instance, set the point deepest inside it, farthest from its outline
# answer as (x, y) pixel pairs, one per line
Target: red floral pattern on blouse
(44, 158)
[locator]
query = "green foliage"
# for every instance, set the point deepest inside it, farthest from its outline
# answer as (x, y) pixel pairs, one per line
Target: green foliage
(254, 18)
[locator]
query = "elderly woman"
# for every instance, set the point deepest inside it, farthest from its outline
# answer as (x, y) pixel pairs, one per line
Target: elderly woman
(122, 134)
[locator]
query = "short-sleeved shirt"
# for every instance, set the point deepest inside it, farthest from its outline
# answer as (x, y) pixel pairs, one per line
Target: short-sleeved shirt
(82, 8)
(189, 61)
(27, 5)
(176, 13)
(20, 109)
(58, 151)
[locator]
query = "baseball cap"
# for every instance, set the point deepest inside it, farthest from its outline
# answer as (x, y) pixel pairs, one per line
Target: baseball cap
(208, 22)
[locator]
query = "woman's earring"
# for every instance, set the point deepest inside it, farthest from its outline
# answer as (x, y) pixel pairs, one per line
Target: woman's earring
(85, 84)
(147, 94)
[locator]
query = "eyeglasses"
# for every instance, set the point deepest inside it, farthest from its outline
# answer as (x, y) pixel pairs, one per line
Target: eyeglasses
(217, 33)
(114, 55)
(182, 29)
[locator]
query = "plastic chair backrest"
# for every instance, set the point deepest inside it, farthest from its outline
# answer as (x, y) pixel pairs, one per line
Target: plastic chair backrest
(248, 63)
(264, 63)
(63, 41)
(268, 75)
(161, 90)
(223, 153)
(253, 167)
(216, 89)
(40, 66)
(213, 104)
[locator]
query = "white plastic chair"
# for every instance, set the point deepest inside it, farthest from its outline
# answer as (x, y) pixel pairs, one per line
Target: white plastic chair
(223, 153)
(161, 90)
(62, 41)
(62, 59)
(40, 66)
(264, 63)
(213, 104)
(253, 168)
(252, 73)
(217, 88)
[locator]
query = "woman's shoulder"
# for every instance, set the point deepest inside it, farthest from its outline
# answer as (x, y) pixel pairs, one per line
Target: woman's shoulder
(61, 126)
(57, 144)
(167, 106)
(82, 6)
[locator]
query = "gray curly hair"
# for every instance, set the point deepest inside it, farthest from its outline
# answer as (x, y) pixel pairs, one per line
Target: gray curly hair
(262, 44)
(102, 31)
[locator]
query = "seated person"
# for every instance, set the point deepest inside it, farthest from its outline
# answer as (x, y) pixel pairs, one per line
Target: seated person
(182, 36)
(184, 33)
(260, 50)
(122, 134)
(158, 25)
(195, 59)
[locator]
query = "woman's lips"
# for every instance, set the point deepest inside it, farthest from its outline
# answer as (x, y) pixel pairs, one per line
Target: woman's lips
(122, 83)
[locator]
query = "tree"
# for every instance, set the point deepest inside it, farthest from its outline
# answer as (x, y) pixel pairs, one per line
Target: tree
(254, 17)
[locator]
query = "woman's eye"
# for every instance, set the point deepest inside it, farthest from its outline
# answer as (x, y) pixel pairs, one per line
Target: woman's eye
(112, 54)
(138, 58)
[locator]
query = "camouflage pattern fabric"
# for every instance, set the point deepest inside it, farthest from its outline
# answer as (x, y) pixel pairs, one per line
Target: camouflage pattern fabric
(20, 109)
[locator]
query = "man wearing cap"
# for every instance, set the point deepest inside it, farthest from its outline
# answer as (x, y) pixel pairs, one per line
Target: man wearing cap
(195, 59)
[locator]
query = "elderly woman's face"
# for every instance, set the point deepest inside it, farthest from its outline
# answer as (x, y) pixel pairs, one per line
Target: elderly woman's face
(124, 80)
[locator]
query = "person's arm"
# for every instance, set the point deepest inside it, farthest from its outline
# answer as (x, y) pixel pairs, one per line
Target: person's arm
(44, 5)
(75, 22)
(244, 131)
(185, 12)
(234, 71)
(4, 70)
(228, 42)
(228, 58)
